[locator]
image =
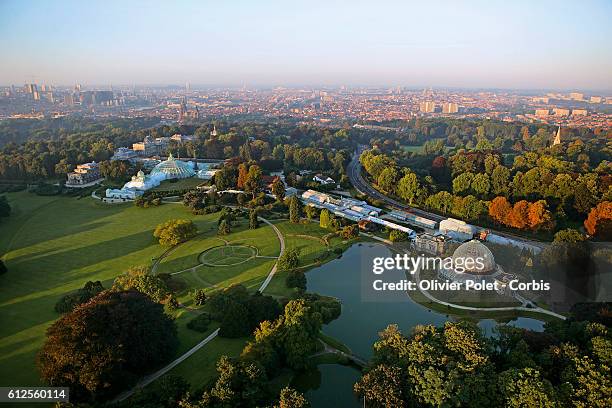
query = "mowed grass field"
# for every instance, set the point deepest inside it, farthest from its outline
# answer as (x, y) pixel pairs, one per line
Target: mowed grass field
(53, 245)
(201, 366)
(181, 184)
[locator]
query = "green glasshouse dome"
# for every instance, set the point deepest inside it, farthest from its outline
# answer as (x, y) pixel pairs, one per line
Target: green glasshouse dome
(173, 169)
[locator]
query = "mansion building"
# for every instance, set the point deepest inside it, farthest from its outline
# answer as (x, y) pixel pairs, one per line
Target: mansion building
(84, 174)
(150, 147)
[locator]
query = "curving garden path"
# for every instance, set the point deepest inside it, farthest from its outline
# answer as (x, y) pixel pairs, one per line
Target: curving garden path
(535, 309)
(154, 376)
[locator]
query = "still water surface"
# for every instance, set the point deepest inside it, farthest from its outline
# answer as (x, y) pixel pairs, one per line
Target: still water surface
(363, 316)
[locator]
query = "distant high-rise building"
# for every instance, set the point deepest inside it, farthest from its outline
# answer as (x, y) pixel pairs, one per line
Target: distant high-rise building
(542, 112)
(31, 88)
(561, 112)
(36, 95)
(577, 96)
(102, 97)
(450, 107)
(69, 99)
(86, 98)
(77, 88)
(427, 107)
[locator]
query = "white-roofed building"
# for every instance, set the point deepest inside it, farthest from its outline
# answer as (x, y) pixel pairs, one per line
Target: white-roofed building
(457, 229)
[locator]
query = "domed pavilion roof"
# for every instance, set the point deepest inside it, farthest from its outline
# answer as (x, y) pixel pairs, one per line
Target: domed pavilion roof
(173, 169)
(475, 249)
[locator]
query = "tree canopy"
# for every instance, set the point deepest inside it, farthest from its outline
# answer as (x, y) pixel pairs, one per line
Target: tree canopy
(105, 344)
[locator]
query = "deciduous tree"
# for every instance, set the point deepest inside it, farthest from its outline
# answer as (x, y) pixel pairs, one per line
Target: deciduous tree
(462, 183)
(409, 188)
(174, 232)
(599, 221)
(278, 189)
(104, 345)
(295, 210)
(242, 175)
(500, 209)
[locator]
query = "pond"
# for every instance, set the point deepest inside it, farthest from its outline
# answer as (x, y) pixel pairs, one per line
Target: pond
(329, 385)
(365, 313)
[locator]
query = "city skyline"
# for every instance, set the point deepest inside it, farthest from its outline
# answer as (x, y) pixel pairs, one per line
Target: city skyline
(548, 45)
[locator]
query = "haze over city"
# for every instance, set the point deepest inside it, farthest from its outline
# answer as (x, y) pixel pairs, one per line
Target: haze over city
(472, 44)
(306, 204)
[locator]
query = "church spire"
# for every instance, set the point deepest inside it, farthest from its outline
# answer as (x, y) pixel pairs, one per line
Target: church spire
(557, 137)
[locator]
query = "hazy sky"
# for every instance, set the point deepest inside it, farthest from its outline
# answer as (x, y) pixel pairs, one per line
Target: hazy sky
(506, 44)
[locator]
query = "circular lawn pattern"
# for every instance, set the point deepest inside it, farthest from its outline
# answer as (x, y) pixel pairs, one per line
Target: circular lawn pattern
(228, 255)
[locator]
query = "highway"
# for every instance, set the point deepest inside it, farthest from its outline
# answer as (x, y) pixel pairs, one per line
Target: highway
(361, 185)
(357, 180)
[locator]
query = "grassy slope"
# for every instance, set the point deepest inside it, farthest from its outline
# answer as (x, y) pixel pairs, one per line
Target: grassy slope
(178, 184)
(200, 368)
(53, 245)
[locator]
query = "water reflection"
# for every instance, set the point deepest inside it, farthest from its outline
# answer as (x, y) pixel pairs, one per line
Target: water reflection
(363, 317)
(329, 385)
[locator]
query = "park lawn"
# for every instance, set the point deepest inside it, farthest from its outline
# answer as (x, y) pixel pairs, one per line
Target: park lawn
(53, 245)
(307, 238)
(186, 255)
(313, 251)
(201, 367)
(183, 184)
(21, 210)
(189, 338)
(249, 272)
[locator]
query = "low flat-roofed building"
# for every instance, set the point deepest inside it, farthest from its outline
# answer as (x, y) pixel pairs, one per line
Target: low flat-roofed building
(319, 178)
(413, 219)
(315, 196)
(182, 138)
(123, 194)
(124, 153)
(206, 174)
(457, 229)
(579, 112)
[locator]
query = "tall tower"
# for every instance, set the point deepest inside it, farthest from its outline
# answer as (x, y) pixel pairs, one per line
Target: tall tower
(182, 110)
(557, 137)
